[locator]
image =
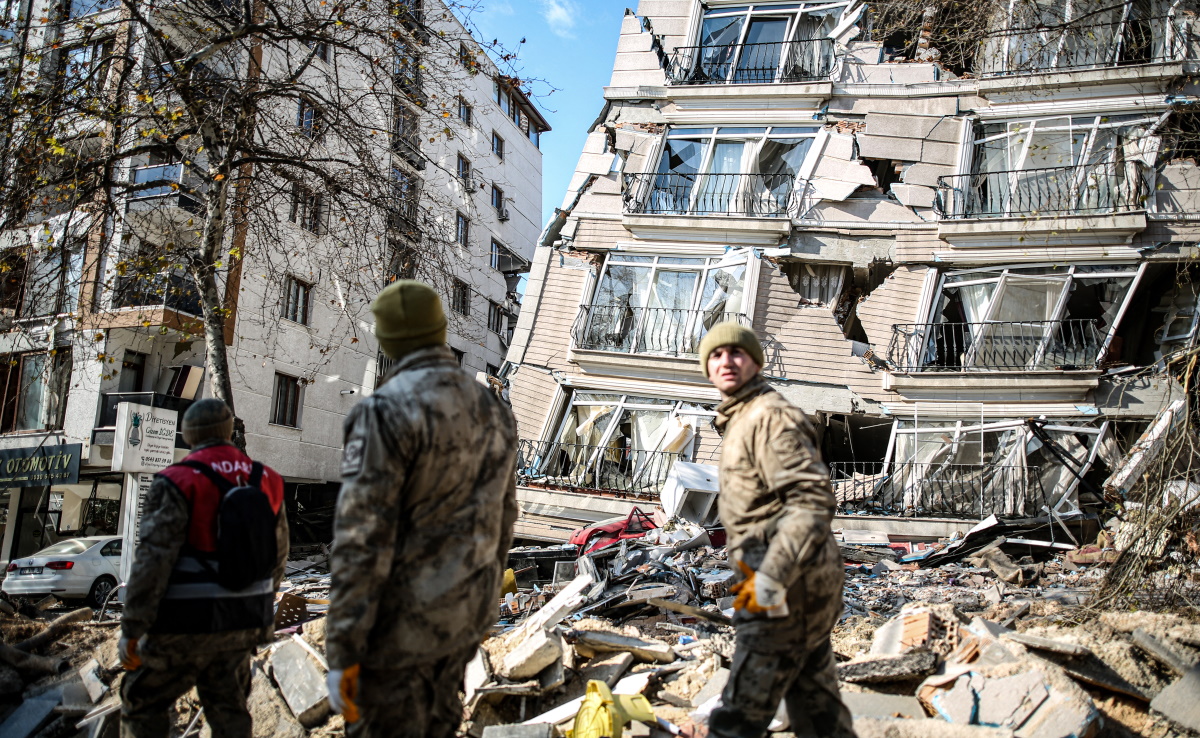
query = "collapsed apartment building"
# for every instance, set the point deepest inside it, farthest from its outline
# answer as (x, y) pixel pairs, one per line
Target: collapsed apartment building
(966, 264)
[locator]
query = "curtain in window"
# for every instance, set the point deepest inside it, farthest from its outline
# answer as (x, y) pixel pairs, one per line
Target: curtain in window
(32, 407)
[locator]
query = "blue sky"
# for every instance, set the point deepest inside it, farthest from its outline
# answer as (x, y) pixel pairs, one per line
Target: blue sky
(569, 46)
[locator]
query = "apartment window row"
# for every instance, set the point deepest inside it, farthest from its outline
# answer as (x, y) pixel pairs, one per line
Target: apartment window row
(460, 302)
(511, 105)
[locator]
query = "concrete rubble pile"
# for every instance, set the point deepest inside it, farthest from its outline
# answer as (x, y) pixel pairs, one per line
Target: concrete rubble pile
(974, 635)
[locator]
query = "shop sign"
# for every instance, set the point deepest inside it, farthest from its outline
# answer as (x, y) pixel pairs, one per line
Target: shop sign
(145, 438)
(39, 466)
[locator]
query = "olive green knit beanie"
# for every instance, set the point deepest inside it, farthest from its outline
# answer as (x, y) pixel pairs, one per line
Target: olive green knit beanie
(730, 333)
(408, 316)
(207, 420)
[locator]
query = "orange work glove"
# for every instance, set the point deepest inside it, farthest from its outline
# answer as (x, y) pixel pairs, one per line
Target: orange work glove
(759, 593)
(343, 691)
(127, 650)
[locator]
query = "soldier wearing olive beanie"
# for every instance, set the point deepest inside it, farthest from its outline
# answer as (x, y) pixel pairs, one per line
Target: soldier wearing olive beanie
(730, 333)
(408, 316)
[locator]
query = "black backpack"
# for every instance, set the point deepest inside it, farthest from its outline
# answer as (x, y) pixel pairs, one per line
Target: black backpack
(246, 549)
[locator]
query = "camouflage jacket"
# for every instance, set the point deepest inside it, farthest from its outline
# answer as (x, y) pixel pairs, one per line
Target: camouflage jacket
(162, 533)
(775, 491)
(424, 518)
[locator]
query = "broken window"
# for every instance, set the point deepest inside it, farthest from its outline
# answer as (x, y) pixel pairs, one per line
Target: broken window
(819, 285)
(727, 171)
(975, 468)
(1027, 318)
(1077, 164)
(620, 442)
(661, 304)
(761, 43)
(1039, 35)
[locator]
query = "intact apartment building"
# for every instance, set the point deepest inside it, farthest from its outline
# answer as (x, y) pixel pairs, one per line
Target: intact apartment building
(75, 343)
(964, 268)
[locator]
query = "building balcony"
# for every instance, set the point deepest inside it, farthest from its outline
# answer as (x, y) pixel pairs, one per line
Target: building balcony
(655, 332)
(1077, 46)
(765, 63)
(1094, 189)
(170, 291)
(1015, 346)
(736, 195)
(972, 491)
(602, 470)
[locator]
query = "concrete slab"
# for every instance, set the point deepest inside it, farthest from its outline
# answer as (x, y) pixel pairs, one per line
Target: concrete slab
(29, 716)
(912, 665)
(877, 705)
(915, 196)
(542, 730)
(301, 683)
(1179, 702)
(715, 685)
(90, 674)
(868, 727)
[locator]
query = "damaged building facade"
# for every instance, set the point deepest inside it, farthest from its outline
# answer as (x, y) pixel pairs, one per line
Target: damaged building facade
(78, 339)
(964, 263)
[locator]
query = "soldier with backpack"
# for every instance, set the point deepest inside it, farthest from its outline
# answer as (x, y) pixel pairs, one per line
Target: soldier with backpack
(213, 542)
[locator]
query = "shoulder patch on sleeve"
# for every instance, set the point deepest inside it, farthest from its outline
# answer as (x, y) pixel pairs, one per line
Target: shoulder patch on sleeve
(352, 456)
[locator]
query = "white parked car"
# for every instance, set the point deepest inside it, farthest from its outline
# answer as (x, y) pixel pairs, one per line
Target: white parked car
(72, 568)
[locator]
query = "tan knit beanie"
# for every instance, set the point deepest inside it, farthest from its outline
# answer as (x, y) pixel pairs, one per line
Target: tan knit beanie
(730, 333)
(408, 316)
(207, 420)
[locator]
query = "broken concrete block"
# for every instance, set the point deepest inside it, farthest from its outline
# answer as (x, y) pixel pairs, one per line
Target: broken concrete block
(1160, 651)
(538, 650)
(913, 665)
(270, 713)
(715, 685)
(888, 147)
(608, 670)
(591, 642)
(301, 683)
(1047, 644)
(1179, 702)
(878, 705)
(914, 196)
(925, 175)
(90, 674)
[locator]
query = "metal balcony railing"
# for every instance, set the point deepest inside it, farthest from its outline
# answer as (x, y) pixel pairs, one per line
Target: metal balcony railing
(1092, 189)
(173, 291)
(164, 181)
(1036, 345)
(110, 400)
(782, 61)
(673, 193)
(938, 490)
(644, 330)
(597, 469)
(1084, 45)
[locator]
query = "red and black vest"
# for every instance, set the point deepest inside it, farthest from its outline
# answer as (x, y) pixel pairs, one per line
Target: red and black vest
(194, 601)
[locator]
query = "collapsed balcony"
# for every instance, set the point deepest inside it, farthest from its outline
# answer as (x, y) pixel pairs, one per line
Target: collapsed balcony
(645, 330)
(676, 193)
(1094, 189)
(596, 469)
(939, 490)
(1036, 345)
(806, 60)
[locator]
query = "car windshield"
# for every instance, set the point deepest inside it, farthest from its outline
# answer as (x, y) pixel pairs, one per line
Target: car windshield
(65, 548)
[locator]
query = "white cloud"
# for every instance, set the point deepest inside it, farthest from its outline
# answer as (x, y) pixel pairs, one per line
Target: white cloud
(561, 16)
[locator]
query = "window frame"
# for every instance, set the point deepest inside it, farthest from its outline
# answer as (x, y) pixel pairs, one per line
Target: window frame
(462, 229)
(287, 414)
(310, 120)
(498, 198)
(462, 168)
(498, 145)
(307, 209)
(460, 297)
(466, 112)
(297, 300)
(54, 378)
(497, 318)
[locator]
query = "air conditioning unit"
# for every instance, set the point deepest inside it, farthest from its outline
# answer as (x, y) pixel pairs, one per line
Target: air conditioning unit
(468, 185)
(503, 213)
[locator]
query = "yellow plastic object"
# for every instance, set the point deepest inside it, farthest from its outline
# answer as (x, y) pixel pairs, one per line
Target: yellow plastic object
(509, 585)
(604, 714)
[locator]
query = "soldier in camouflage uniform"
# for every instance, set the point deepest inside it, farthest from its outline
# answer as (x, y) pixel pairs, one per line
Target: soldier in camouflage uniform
(180, 628)
(424, 523)
(776, 504)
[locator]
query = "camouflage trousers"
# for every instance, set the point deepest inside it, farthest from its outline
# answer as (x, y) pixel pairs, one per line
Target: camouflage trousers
(759, 680)
(221, 678)
(417, 700)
